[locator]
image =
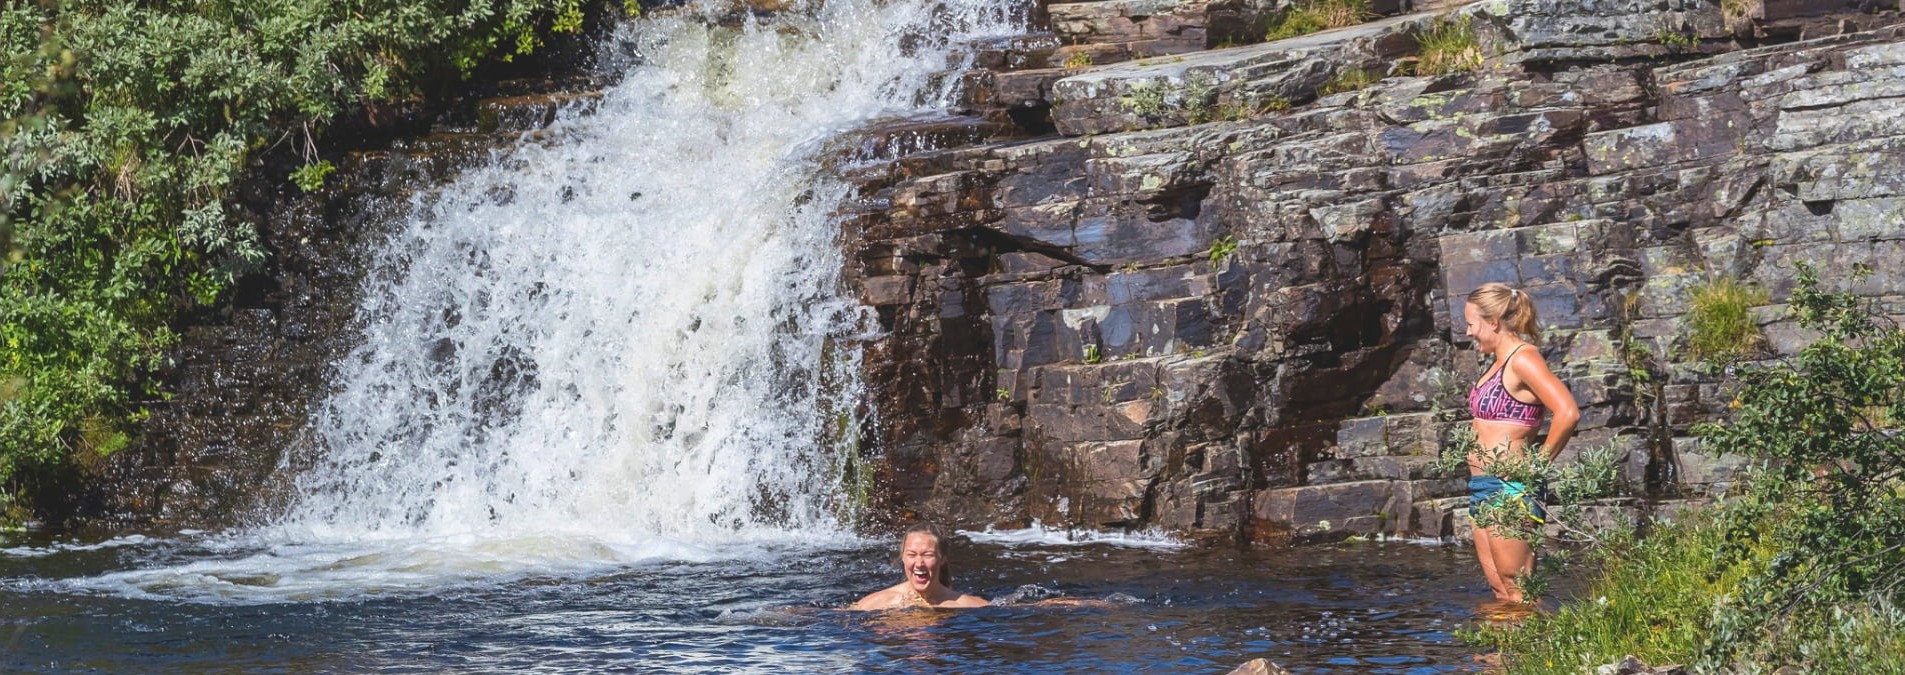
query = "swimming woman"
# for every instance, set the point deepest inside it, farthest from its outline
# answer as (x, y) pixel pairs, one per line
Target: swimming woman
(1507, 406)
(928, 580)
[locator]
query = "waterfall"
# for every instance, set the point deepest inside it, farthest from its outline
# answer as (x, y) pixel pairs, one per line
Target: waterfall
(632, 324)
(622, 341)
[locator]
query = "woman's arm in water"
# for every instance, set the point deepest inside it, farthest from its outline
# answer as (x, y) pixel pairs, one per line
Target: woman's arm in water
(1534, 374)
(968, 601)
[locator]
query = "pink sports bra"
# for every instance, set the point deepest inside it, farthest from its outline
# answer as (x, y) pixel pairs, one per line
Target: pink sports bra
(1490, 401)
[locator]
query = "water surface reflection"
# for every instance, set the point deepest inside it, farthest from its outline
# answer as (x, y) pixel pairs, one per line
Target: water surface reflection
(1359, 607)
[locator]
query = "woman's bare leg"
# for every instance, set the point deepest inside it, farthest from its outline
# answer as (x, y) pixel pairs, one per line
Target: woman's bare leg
(1484, 551)
(1513, 558)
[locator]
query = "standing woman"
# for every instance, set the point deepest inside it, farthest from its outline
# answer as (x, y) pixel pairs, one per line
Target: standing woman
(1507, 406)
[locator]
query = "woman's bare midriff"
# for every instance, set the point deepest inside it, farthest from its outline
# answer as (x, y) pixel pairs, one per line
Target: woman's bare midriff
(1515, 440)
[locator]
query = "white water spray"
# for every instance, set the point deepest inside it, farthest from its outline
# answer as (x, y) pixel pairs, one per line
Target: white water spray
(623, 340)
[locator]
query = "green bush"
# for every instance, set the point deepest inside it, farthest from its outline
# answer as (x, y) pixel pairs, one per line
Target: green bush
(1666, 598)
(126, 125)
(310, 177)
(1147, 100)
(1720, 321)
(1221, 248)
(1195, 101)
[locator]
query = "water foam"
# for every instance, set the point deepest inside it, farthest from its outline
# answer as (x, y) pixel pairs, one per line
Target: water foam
(1040, 535)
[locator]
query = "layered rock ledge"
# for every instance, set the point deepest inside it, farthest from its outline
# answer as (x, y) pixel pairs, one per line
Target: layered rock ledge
(1193, 294)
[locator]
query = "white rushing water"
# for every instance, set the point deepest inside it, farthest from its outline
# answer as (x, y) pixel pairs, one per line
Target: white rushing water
(624, 340)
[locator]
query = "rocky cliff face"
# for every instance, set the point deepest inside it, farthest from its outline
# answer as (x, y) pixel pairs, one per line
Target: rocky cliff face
(1199, 295)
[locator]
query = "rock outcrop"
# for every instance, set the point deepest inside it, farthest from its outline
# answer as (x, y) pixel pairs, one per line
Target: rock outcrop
(1204, 297)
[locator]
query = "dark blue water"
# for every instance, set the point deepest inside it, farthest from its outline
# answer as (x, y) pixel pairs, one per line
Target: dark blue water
(1358, 607)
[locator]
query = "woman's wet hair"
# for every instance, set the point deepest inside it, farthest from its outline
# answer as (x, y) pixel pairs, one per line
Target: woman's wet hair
(942, 543)
(1508, 305)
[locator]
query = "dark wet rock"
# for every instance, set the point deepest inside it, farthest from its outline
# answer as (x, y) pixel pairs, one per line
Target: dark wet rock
(1565, 31)
(1130, 28)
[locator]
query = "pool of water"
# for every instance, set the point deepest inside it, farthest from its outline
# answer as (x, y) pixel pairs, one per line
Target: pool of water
(1370, 607)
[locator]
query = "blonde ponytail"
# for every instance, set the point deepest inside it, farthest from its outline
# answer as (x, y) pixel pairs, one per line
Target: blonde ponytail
(1511, 306)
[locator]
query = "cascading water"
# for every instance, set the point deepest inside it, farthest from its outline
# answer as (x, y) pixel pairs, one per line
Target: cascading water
(624, 331)
(623, 339)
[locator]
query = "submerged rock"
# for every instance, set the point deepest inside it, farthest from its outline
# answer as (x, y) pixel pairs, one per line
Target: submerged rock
(1258, 667)
(1634, 666)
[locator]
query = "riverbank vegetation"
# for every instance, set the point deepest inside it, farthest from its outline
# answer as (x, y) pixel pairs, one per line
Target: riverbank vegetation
(1803, 563)
(128, 126)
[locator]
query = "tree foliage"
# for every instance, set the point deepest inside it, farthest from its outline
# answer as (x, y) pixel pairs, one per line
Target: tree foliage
(1826, 423)
(126, 126)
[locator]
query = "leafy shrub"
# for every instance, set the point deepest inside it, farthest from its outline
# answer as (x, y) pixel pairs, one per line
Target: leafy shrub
(1447, 46)
(1303, 18)
(1221, 248)
(1153, 100)
(1720, 321)
(1676, 40)
(126, 126)
(310, 177)
(1146, 99)
(1836, 474)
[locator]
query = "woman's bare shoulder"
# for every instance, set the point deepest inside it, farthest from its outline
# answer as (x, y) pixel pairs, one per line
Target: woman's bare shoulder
(886, 598)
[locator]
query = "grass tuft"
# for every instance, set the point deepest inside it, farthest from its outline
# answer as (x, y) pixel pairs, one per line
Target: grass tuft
(1738, 13)
(1348, 80)
(1448, 46)
(1304, 18)
(1721, 323)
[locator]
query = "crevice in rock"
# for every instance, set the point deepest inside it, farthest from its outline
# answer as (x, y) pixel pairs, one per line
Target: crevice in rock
(1002, 242)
